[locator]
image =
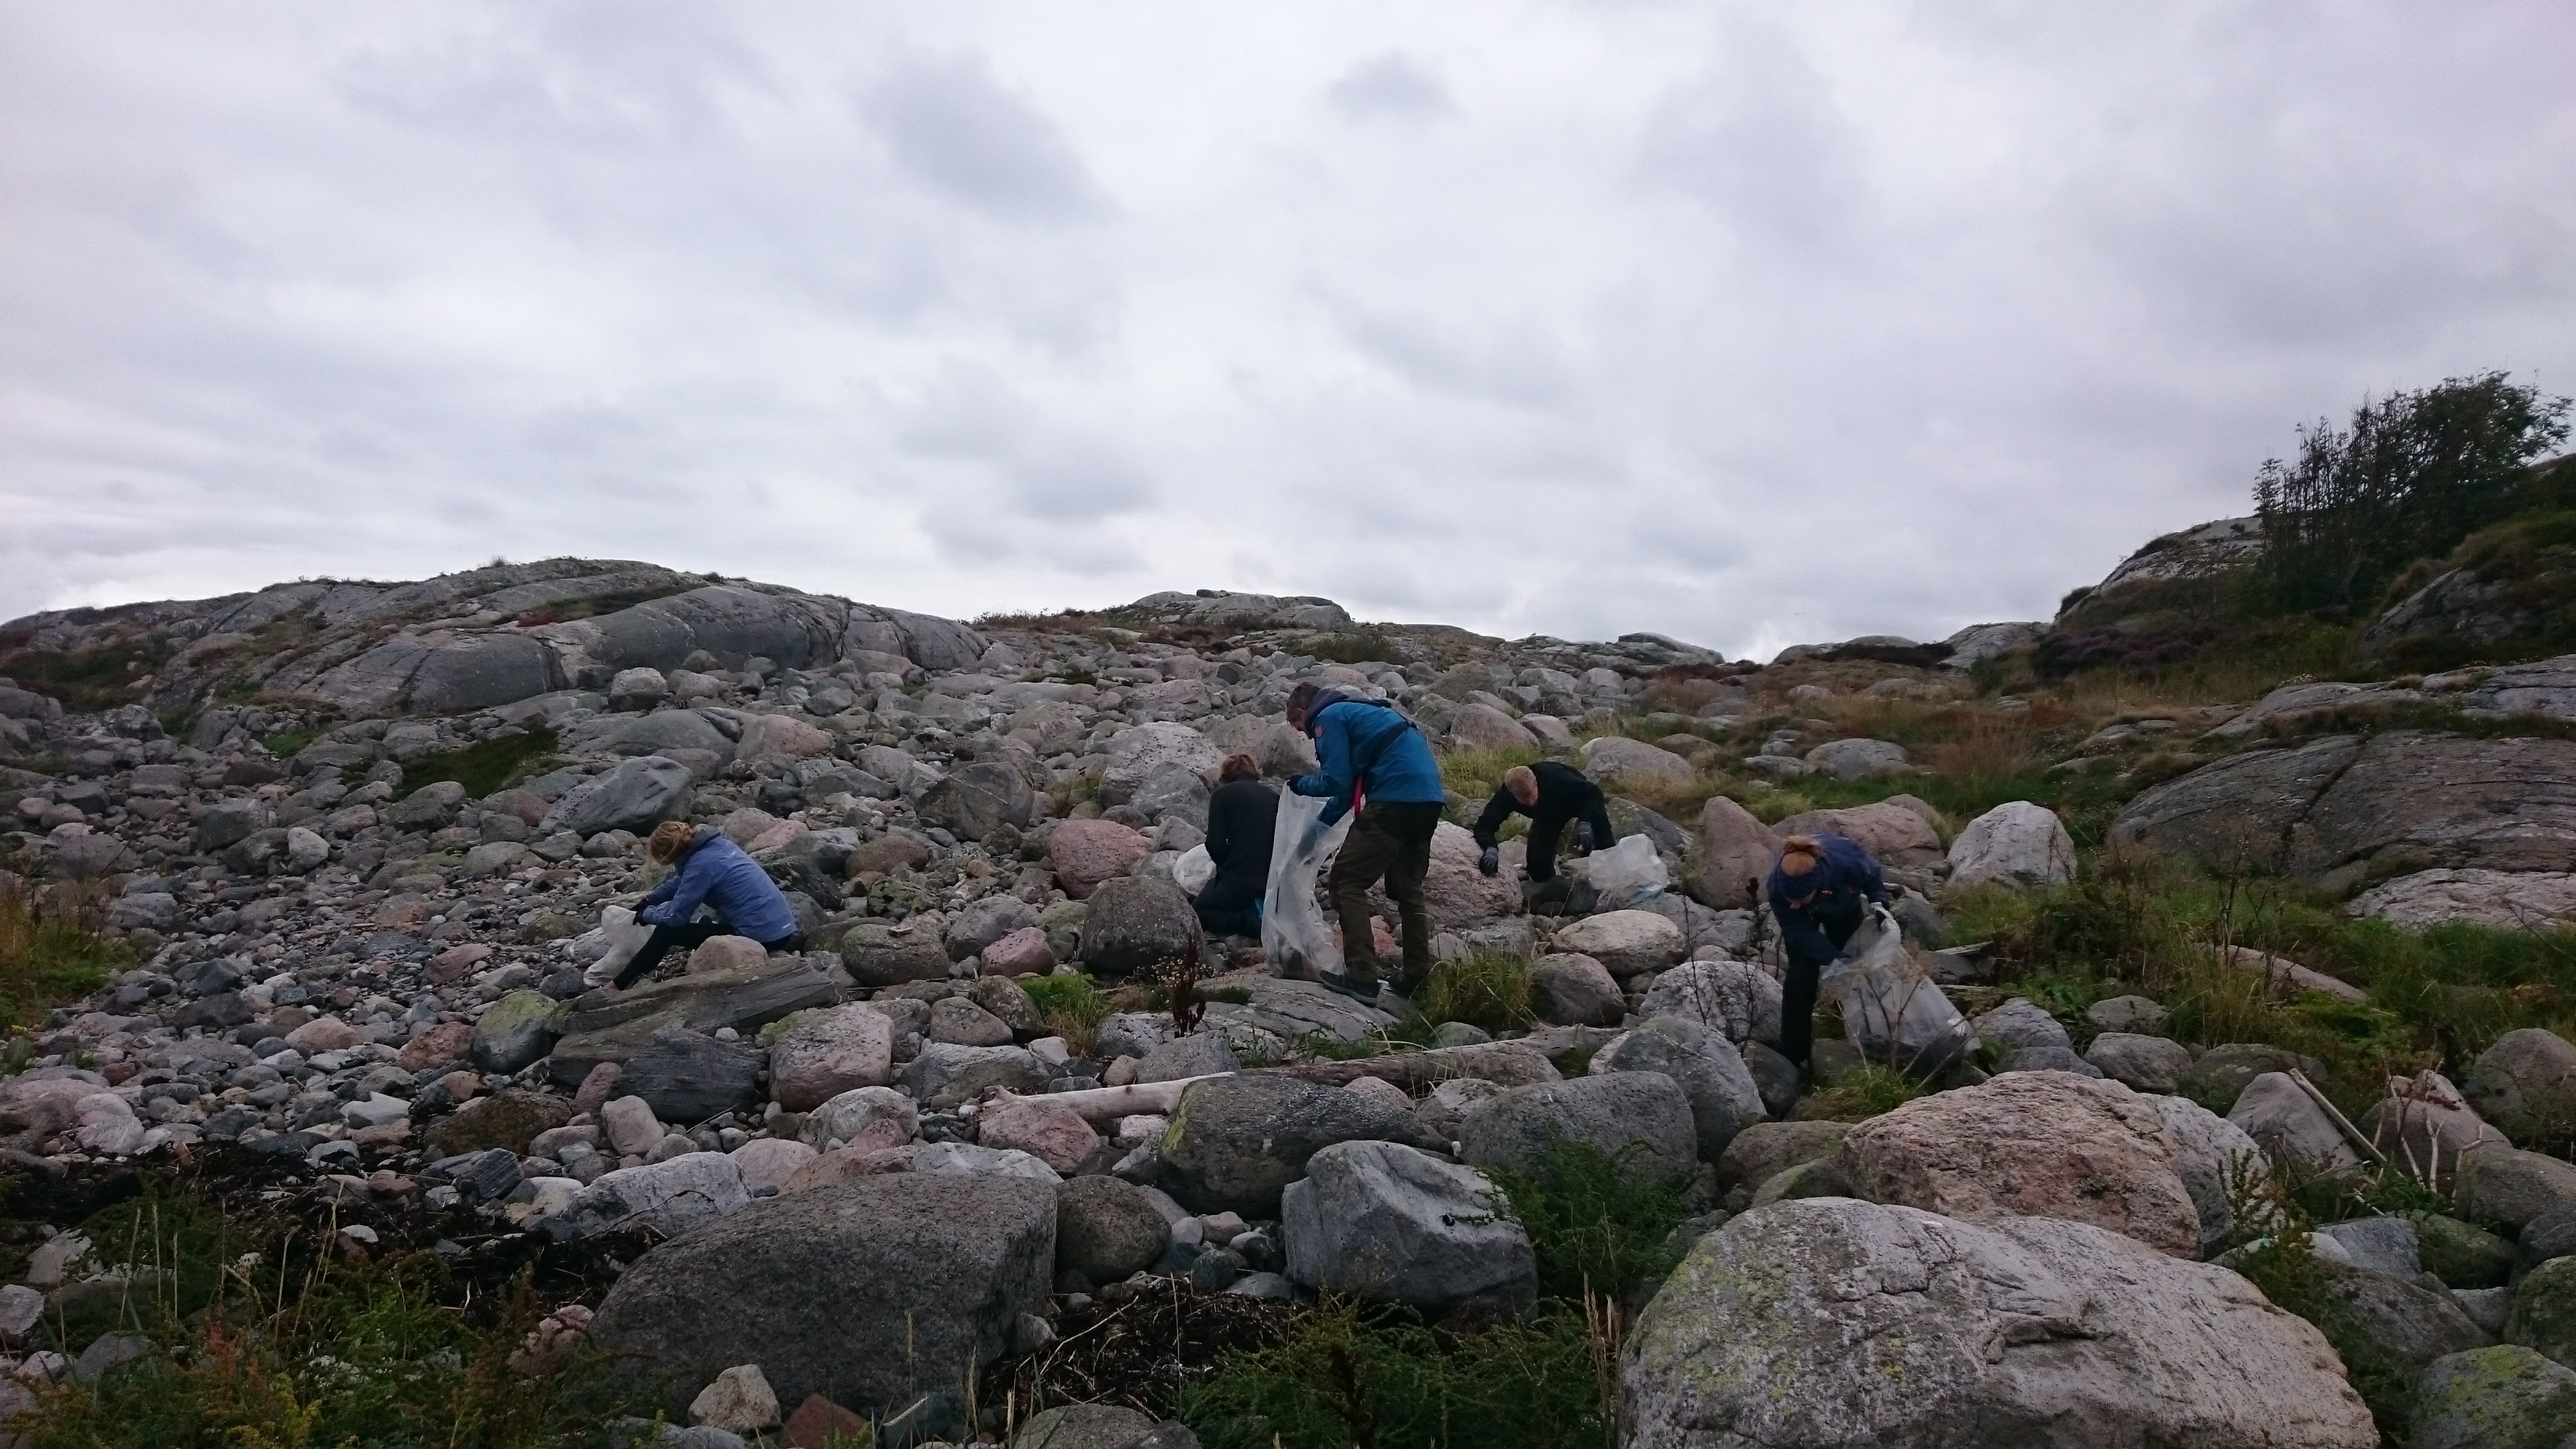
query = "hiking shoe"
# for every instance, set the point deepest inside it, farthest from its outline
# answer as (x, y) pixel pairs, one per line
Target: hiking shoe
(1363, 992)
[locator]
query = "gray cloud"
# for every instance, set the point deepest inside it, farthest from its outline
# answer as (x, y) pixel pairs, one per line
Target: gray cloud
(1769, 323)
(1394, 86)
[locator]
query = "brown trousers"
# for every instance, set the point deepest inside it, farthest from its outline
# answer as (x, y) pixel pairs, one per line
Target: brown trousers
(1390, 842)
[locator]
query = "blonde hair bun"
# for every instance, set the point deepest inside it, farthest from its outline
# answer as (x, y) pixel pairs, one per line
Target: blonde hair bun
(1799, 854)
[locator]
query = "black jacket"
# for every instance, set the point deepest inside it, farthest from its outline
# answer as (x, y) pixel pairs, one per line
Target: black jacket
(1563, 794)
(1242, 814)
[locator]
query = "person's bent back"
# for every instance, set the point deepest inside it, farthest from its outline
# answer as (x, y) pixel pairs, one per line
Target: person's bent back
(712, 872)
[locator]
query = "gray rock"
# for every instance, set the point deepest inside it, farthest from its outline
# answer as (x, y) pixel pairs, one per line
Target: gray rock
(2045, 1059)
(2506, 1188)
(982, 922)
(2408, 1326)
(670, 1197)
(1860, 759)
(2148, 1063)
(2544, 1311)
(861, 1292)
(1724, 1099)
(518, 1030)
(613, 1029)
(978, 800)
(1384, 1222)
(2506, 1397)
(2021, 1023)
(2016, 844)
(230, 822)
(2279, 1114)
(879, 955)
(1641, 1119)
(2383, 1245)
(1106, 1229)
(1132, 925)
(2139, 1015)
(1741, 1001)
(1200, 1054)
(944, 1073)
(635, 795)
(1575, 991)
(688, 1077)
(2525, 1085)
(2410, 796)
(2220, 1074)
(1829, 1321)
(1084, 1426)
(1235, 1142)
(1766, 1149)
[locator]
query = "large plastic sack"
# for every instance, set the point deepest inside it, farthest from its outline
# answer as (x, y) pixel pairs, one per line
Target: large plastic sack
(1193, 870)
(1296, 934)
(1892, 1012)
(1625, 874)
(625, 936)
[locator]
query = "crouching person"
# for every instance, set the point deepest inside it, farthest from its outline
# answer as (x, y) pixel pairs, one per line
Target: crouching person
(1242, 815)
(709, 871)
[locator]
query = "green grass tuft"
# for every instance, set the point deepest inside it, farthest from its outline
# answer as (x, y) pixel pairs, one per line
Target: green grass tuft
(488, 766)
(50, 954)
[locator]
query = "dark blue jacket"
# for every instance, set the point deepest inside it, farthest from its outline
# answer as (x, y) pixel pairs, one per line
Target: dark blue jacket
(1371, 747)
(1846, 880)
(716, 872)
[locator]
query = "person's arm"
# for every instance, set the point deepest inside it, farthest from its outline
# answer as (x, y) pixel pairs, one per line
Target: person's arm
(1220, 831)
(660, 893)
(688, 890)
(1489, 825)
(1871, 880)
(1596, 813)
(1334, 780)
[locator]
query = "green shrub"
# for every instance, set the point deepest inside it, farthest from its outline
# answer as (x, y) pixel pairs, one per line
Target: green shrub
(1872, 1091)
(1486, 989)
(1345, 1376)
(1070, 1006)
(50, 956)
(487, 766)
(1597, 1224)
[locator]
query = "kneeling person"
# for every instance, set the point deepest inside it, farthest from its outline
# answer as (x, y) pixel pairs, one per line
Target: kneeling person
(712, 871)
(1242, 815)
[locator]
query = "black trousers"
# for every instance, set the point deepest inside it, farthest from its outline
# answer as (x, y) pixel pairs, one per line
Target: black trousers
(1390, 842)
(1227, 908)
(1798, 992)
(1541, 860)
(666, 939)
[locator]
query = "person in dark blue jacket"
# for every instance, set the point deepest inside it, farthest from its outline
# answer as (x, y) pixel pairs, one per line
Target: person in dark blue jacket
(1820, 889)
(1377, 759)
(712, 871)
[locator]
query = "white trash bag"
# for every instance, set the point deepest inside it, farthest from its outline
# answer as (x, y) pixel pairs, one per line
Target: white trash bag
(1624, 875)
(1892, 1012)
(625, 936)
(1193, 870)
(1296, 934)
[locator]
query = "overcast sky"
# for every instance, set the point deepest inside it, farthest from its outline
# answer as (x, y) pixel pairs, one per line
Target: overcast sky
(1750, 324)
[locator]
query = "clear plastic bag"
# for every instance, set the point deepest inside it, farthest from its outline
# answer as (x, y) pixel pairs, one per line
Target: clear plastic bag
(625, 936)
(1892, 1011)
(1193, 870)
(1625, 874)
(1296, 932)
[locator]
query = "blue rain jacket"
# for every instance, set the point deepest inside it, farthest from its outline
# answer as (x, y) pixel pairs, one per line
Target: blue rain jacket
(1373, 750)
(716, 872)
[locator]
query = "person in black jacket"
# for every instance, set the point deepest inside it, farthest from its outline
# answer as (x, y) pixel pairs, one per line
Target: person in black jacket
(1550, 794)
(1821, 888)
(1241, 816)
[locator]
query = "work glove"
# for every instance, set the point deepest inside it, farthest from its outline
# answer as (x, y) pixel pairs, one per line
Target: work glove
(1491, 862)
(1583, 837)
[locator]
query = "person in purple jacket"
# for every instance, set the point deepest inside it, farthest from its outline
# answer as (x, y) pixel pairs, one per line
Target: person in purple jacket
(1821, 889)
(712, 871)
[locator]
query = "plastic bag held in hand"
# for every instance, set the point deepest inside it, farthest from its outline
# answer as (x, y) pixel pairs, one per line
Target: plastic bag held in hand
(1193, 870)
(1892, 1012)
(626, 936)
(1296, 932)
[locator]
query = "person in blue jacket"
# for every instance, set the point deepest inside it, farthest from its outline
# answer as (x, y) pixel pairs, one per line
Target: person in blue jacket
(712, 871)
(1375, 758)
(1821, 888)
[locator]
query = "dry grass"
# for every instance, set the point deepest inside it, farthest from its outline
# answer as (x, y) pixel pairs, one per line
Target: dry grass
(51, 949)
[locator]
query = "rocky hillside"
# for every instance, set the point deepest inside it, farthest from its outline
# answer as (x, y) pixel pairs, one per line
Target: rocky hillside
(2209, 1086)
